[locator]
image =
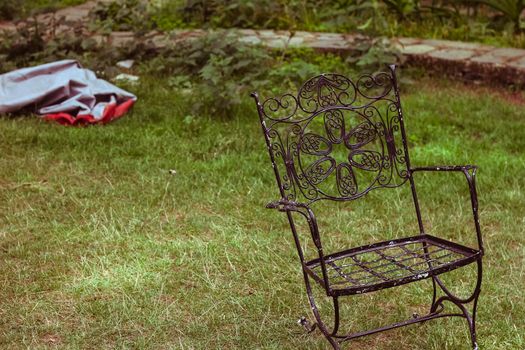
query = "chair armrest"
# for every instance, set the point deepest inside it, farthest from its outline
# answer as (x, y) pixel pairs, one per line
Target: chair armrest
(470, 174)
(461, 168)
(285, 205)
(301, 208)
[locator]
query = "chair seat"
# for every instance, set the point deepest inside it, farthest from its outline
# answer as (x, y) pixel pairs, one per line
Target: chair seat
(391, 263)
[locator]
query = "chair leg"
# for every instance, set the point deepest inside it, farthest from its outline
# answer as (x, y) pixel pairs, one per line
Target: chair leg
(336, 316)
(461, 303)
(434, 294)
(470, 316)
(472, 325)
(319, 323)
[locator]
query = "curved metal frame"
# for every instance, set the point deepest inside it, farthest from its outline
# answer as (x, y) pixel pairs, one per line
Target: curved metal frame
(340, 93)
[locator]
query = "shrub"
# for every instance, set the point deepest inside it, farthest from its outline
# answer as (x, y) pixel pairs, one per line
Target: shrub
(8, 9)
(403, 8)
(29, 45)
(510, 9)
(15, 9)
(125, 15)
(217, 68)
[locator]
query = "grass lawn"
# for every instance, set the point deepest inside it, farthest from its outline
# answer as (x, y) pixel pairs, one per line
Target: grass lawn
(101, 247)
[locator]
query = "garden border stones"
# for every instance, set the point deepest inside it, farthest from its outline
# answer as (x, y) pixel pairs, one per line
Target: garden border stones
(469, 61)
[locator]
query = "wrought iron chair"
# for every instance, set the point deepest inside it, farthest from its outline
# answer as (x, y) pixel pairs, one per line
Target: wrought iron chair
(338, 139)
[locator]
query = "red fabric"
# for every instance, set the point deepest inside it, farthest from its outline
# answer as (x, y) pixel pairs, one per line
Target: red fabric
(111, 112)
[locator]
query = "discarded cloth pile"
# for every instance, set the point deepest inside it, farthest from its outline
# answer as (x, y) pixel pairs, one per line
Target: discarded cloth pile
(65, 92)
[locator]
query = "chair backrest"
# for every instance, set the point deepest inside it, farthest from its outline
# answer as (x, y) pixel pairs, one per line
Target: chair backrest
(337, 138)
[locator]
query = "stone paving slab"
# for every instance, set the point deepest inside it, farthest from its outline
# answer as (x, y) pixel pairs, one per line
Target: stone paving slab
(466, 60)
(452, 54)
(519, 64)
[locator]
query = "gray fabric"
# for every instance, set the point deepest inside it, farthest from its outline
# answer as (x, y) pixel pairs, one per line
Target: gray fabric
(62, 86)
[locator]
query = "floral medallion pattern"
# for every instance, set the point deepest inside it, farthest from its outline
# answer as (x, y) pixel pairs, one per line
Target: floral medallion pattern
(337, 139)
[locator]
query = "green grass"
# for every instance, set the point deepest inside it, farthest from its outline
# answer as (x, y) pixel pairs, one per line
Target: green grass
(102, 248)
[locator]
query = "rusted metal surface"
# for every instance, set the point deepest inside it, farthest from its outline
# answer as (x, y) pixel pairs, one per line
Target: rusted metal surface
(338, 139)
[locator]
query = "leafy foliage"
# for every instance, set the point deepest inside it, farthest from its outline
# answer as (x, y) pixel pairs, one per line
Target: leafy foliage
(14, 9)
(8, 9)
(510, 9)
(122, 15)
(217, 68)
(448, 19)
(403, 8)
(31, 44)
(374, 54)
(470, 20)
(279, 14)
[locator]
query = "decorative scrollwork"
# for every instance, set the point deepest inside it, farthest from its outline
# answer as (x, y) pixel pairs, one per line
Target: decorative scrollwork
(366, 160)
(316, 173)
(361, 135)
(327, 90)
(332, 116)
(335, 125)
(280, 109)
(315, 145)
(381, 82)
(346, 182)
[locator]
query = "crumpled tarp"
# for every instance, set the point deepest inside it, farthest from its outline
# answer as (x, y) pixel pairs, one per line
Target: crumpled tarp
(65, 92)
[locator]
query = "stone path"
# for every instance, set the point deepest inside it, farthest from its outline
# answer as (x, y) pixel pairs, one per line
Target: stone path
(470, 61)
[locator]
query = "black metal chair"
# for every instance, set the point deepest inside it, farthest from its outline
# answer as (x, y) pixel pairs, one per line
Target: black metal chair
(338, 139)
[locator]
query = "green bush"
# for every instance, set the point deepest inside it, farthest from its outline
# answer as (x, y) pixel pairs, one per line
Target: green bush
(470, 20)
(217, 68)
(403, 8)
(8, 9)
(510, 9)
(125, 15)
(28, 46)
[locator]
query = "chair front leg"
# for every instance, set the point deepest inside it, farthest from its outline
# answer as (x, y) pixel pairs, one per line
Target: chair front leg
(288, 208)
(319, 322)
(462, 303)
